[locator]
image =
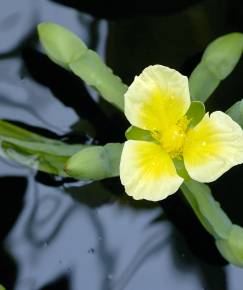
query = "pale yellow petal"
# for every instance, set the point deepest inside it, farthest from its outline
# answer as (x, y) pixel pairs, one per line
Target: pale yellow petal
(158, 97)
(213, 147)
(147, 171)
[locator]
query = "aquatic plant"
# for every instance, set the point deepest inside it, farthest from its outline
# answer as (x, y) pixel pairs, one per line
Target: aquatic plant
(186, 123)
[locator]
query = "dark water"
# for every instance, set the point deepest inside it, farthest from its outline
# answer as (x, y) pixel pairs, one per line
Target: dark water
(61, 234)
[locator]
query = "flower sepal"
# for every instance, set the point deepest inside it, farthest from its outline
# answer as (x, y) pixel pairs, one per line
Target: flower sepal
(135, 133)
(195, 113)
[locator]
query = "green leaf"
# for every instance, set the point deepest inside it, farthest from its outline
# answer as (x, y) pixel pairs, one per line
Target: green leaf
(45, 162)
(207, 209)
(91, 69)
(135, 133)
(23, 138)
(57, 148)
(236, 112)
(10, 130)
(222, 55)
(61, 45)
(35, 151)
(218, 61)
(66, 49)
(2, 288)
(232, 248)
(202, 83)
(97, 162)
(195, 113)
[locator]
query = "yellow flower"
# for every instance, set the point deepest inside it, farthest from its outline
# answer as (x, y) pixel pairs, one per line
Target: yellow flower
(157, 101)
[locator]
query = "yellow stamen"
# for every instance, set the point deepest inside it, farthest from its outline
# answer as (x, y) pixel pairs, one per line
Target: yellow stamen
(172, 139)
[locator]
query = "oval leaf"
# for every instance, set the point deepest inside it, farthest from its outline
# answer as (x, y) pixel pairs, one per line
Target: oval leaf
(91, 69)
(207, 209)
(218, 61)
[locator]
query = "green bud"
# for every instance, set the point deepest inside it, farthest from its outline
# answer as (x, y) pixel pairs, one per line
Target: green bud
(96, 162)
(61, 45)
(232, 248)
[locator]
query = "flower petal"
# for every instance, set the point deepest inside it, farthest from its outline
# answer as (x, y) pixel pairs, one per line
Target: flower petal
(213, 147)
(147, 171)
(157, 97)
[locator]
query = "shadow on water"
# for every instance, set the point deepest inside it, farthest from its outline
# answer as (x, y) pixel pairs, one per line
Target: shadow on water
(195, 241)
(62, 234)
(61, 283)
(125, 8)
(228, 191)
(210, 270)
(11, 198)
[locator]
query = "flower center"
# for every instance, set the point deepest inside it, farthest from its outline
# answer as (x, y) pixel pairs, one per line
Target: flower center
(172, 138)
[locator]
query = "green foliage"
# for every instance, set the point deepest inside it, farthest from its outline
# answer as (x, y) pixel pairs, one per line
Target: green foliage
(218, 61)
(91, 69)
(49, 155)
(97, 162)
(2, 288)
(232, 247)
(61, 45)
(34, 150)
(222, 55)
(67, 50)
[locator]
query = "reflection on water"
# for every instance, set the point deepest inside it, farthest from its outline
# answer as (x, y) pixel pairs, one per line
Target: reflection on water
(62, 234)
(110, 246)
